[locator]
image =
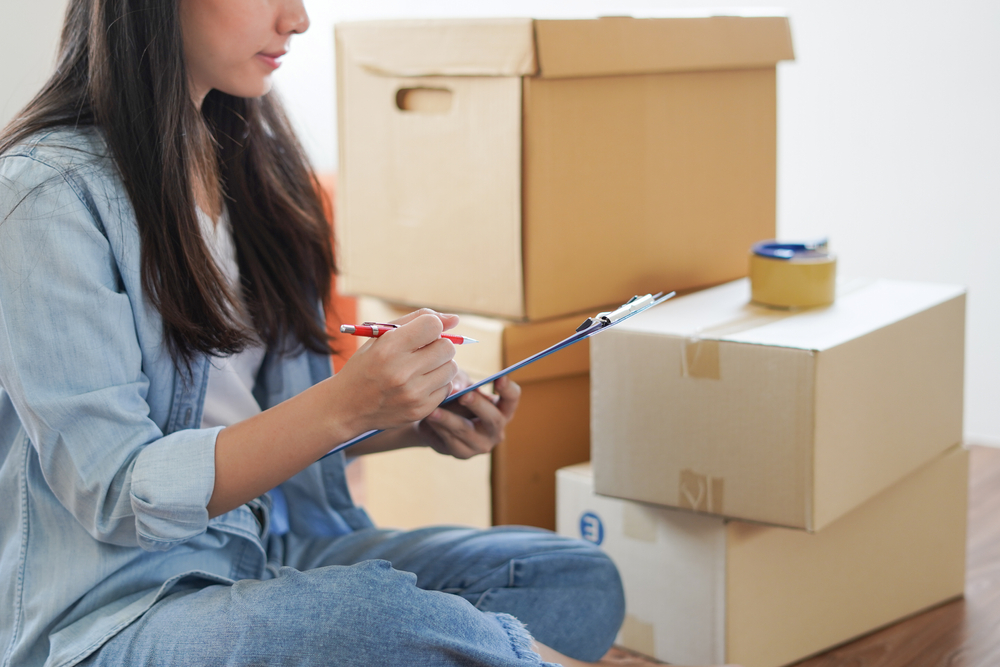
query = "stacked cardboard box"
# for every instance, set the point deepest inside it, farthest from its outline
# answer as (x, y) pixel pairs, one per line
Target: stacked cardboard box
(837, 426)
(531, 170)
(704, 590)
(551, 431)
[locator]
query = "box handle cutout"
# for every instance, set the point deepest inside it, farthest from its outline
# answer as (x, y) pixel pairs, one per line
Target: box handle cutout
(424, 100)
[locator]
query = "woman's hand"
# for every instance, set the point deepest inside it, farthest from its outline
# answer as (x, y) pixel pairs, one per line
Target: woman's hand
(390, 382)
(476, 425)
(402, 376)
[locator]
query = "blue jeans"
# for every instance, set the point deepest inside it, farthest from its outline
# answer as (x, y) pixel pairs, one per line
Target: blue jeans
(434, 596)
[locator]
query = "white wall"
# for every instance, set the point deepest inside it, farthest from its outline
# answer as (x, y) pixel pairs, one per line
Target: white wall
(29, 34)
(889, 139)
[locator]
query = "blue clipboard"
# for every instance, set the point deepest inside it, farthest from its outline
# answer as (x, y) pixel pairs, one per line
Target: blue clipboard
(590, 327)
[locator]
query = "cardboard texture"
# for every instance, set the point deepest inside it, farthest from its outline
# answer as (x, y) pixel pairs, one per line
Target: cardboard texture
(704, 590)
(789, 418)
(516, 485)
(412, 488)
(589, 160)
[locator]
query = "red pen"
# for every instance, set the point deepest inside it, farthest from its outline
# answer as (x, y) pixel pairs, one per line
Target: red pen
(376, 329)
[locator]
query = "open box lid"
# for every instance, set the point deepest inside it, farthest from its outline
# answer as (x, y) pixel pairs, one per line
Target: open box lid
(440, 47)
(725, 313)
(565, 48)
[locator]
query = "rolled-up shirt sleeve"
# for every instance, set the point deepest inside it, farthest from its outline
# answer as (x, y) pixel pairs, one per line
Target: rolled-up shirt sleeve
(72, 365)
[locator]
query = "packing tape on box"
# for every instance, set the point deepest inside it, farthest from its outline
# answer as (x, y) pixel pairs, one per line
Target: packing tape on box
(792, 275)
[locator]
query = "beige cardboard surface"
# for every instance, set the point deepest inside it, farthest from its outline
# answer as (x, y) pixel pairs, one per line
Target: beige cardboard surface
(443, 47)
(411, 488)
(566, 48)
(550, 430)
(675, 585)
(492, 193)
(669, 195)
(708, 591)
(792, 594)
(787, 418)
(421, 192)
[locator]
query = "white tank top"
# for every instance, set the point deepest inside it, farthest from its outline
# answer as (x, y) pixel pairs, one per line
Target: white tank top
(229, 396)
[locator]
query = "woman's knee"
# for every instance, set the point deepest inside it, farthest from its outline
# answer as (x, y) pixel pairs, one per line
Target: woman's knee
(570, 598)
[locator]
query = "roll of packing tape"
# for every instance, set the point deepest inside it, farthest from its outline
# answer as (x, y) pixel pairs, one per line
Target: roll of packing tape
(792, 275)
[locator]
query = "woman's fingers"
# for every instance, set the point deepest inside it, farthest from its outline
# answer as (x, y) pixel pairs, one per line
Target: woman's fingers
(456, 435)
(460, 382)
(415, 333)
(509, 393)
(448, 321)
(403, 375)
(474, 426)
(491, 421)
(445, 429)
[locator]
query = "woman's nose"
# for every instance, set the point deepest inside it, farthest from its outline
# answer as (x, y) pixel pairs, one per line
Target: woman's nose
(293, 18)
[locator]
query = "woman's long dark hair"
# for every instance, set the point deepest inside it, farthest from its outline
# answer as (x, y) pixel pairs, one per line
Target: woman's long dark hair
(121, 69)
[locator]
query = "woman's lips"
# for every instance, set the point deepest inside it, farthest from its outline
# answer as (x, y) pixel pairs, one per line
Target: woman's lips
(271, 59)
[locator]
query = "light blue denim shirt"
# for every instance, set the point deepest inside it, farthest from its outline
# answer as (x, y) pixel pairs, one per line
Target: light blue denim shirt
(104, 475)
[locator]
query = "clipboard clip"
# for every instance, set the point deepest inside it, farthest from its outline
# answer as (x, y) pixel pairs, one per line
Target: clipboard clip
(633, 306)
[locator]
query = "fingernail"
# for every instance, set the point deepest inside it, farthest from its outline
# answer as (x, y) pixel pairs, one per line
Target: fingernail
(435, 415)
(465, 399)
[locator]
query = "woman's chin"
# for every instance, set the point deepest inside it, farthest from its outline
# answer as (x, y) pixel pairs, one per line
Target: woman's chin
(253, 88)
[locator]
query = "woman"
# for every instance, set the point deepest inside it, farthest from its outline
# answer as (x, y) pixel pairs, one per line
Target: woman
(162, 256)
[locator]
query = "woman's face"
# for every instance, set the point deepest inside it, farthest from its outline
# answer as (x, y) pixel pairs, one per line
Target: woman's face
(233, 45)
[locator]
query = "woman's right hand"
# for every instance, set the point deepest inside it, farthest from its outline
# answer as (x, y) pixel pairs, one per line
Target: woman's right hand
(400, 377)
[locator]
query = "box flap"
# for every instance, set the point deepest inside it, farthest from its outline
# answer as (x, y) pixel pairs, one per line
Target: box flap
(622, 45)
(452, 47)
(725, 313)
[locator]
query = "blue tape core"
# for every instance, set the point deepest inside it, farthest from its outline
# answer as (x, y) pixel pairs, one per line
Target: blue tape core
(777, 250)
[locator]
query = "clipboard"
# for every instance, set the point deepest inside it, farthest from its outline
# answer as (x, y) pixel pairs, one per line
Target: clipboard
(590, 327)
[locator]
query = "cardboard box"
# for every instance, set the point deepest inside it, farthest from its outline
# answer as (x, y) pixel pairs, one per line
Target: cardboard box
(516, 485)
(703, 590)
(788, 418)
(532, 169)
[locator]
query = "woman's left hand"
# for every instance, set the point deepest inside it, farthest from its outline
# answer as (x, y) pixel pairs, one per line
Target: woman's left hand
(476, 424)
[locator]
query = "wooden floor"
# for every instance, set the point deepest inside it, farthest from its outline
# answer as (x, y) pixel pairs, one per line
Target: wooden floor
(964, 633)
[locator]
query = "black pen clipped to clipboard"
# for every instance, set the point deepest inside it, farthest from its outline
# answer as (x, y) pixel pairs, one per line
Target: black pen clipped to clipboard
(590, 327)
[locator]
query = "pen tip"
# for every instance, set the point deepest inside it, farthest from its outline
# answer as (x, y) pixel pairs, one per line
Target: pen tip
(469, 340)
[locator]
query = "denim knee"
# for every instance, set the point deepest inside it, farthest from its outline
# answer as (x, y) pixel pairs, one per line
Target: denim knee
(570, 598)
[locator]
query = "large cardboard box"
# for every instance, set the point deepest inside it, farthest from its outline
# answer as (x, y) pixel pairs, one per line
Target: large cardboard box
(704, 590)
(516, 485)
(532, 169)
(789, 418)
